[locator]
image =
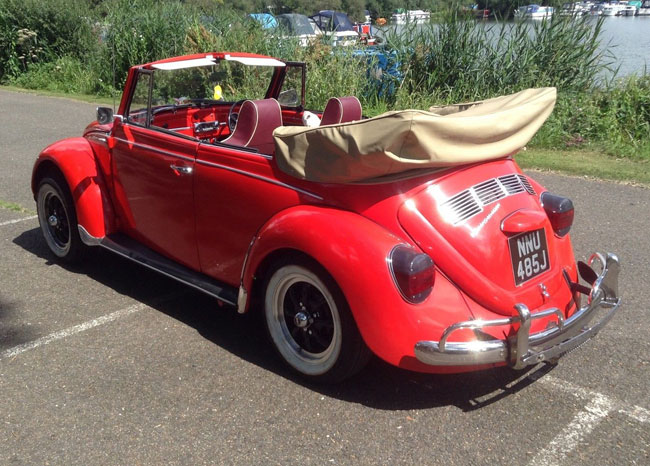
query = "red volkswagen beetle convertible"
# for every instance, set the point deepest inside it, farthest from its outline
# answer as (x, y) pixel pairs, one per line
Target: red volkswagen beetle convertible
(412, 235)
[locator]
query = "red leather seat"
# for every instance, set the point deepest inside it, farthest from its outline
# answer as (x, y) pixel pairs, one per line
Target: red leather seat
(255, 124)
(341, 110)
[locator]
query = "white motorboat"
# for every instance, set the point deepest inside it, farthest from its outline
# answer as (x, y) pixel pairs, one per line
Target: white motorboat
(534, 12)
(612, 9)
(644, 9)
(401, 16)
(576, 8)
(629, 10)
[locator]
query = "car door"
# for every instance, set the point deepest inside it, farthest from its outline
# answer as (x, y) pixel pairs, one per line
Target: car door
(153, 179)
(236, 193)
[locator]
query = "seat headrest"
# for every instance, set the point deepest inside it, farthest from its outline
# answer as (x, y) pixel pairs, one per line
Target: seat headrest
(341, 110)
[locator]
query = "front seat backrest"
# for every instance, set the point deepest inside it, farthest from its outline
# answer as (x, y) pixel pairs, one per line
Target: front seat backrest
(255, 124)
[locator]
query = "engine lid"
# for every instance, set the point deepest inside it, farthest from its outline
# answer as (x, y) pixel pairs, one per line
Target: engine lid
(489, 234)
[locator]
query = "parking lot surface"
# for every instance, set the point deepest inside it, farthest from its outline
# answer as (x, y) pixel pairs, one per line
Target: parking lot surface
(109, 363)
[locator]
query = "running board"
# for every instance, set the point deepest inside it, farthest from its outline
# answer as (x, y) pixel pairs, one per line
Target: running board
(133, 250)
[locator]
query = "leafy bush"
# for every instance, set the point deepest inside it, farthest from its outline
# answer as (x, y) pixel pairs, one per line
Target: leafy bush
(33, 31)
(67, 74)
(617, 119)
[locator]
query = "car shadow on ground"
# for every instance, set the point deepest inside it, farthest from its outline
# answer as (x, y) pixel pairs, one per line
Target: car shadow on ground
(13, 332)
(379, 385)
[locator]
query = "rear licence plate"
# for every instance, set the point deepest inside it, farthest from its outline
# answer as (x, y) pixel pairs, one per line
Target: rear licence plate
(529, 255)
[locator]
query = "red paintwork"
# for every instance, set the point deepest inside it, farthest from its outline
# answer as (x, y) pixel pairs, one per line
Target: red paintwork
(76, 161)
(236, 198)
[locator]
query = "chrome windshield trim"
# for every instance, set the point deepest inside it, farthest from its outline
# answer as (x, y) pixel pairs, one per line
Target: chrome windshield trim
(522, 348)
(155, 149)
(258, 177)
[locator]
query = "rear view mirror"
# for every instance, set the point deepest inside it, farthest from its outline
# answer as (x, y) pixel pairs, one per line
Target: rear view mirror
(288, 98)
(104, 115)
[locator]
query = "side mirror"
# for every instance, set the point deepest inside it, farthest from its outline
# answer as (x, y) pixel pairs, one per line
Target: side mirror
(104, 115)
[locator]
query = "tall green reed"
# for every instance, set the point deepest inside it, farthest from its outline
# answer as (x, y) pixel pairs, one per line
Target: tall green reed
(462, 59)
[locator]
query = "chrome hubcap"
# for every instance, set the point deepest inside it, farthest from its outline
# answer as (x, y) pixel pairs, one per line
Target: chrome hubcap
(301, 320)
(53, 220)
(308, 317)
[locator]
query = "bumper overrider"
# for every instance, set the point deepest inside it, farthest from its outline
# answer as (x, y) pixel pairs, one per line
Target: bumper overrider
(523, 349)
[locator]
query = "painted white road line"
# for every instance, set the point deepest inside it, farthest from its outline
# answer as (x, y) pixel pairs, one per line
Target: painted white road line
(635, 412)
(16, 350)
(568, 439)
(598, 408)
(10, 222)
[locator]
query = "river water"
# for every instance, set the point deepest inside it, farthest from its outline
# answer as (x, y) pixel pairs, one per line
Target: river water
(629, 39)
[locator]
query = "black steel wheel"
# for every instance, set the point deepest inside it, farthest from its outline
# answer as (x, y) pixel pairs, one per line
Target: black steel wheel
(58, 219)
(310, 323)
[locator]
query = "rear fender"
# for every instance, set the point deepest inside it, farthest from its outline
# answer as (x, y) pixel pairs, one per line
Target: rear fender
(75, 160)
(354, 251)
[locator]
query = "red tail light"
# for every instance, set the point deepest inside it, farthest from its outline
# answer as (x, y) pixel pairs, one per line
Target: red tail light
(412, 272)
(559, 211)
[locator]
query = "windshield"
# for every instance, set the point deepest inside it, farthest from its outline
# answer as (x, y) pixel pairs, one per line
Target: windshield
(225, 81)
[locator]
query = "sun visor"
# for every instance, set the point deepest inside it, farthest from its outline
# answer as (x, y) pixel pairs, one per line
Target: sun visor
(254, 61)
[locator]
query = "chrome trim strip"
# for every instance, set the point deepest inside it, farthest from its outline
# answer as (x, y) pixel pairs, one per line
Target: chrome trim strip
(97, 137)
(87, 238)
(523, 349)
(242, 299)
(258, 177)
(155, 149)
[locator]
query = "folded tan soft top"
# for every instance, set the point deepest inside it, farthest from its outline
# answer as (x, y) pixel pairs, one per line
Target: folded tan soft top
(401, 141)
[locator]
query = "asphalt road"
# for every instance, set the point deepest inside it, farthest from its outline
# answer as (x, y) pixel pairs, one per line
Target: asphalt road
(109, 363)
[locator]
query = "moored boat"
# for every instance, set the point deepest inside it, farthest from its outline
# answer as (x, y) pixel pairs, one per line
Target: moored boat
(298, 26)
(402, 16)
(644, 9)
(576, 8)
(613, 8)
(534, 11)
(629, 10)
(337, 27)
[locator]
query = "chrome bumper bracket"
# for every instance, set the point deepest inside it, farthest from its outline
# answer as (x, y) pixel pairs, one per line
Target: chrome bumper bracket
(523, 349)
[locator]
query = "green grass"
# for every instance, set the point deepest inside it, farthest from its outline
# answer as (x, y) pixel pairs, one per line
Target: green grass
(15, 207)
(589, 163)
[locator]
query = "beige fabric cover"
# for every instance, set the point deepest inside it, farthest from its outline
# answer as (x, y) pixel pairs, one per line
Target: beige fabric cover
(400, 141)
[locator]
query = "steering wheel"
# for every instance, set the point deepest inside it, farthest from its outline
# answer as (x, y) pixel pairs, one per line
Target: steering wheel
(232, 115)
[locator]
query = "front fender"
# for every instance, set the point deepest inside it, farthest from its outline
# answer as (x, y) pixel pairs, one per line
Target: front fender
(354, 250)
(75, 159)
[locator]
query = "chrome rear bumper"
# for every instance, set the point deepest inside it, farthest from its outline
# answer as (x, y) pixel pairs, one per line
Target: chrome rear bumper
(523, 349)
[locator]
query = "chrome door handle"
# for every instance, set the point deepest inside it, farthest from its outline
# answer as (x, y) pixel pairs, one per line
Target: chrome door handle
(181, 169)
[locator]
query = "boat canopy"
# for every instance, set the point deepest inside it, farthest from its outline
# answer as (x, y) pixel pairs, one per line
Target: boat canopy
(329, 20)
(399, 142)
(266, 20)
(295, 24)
